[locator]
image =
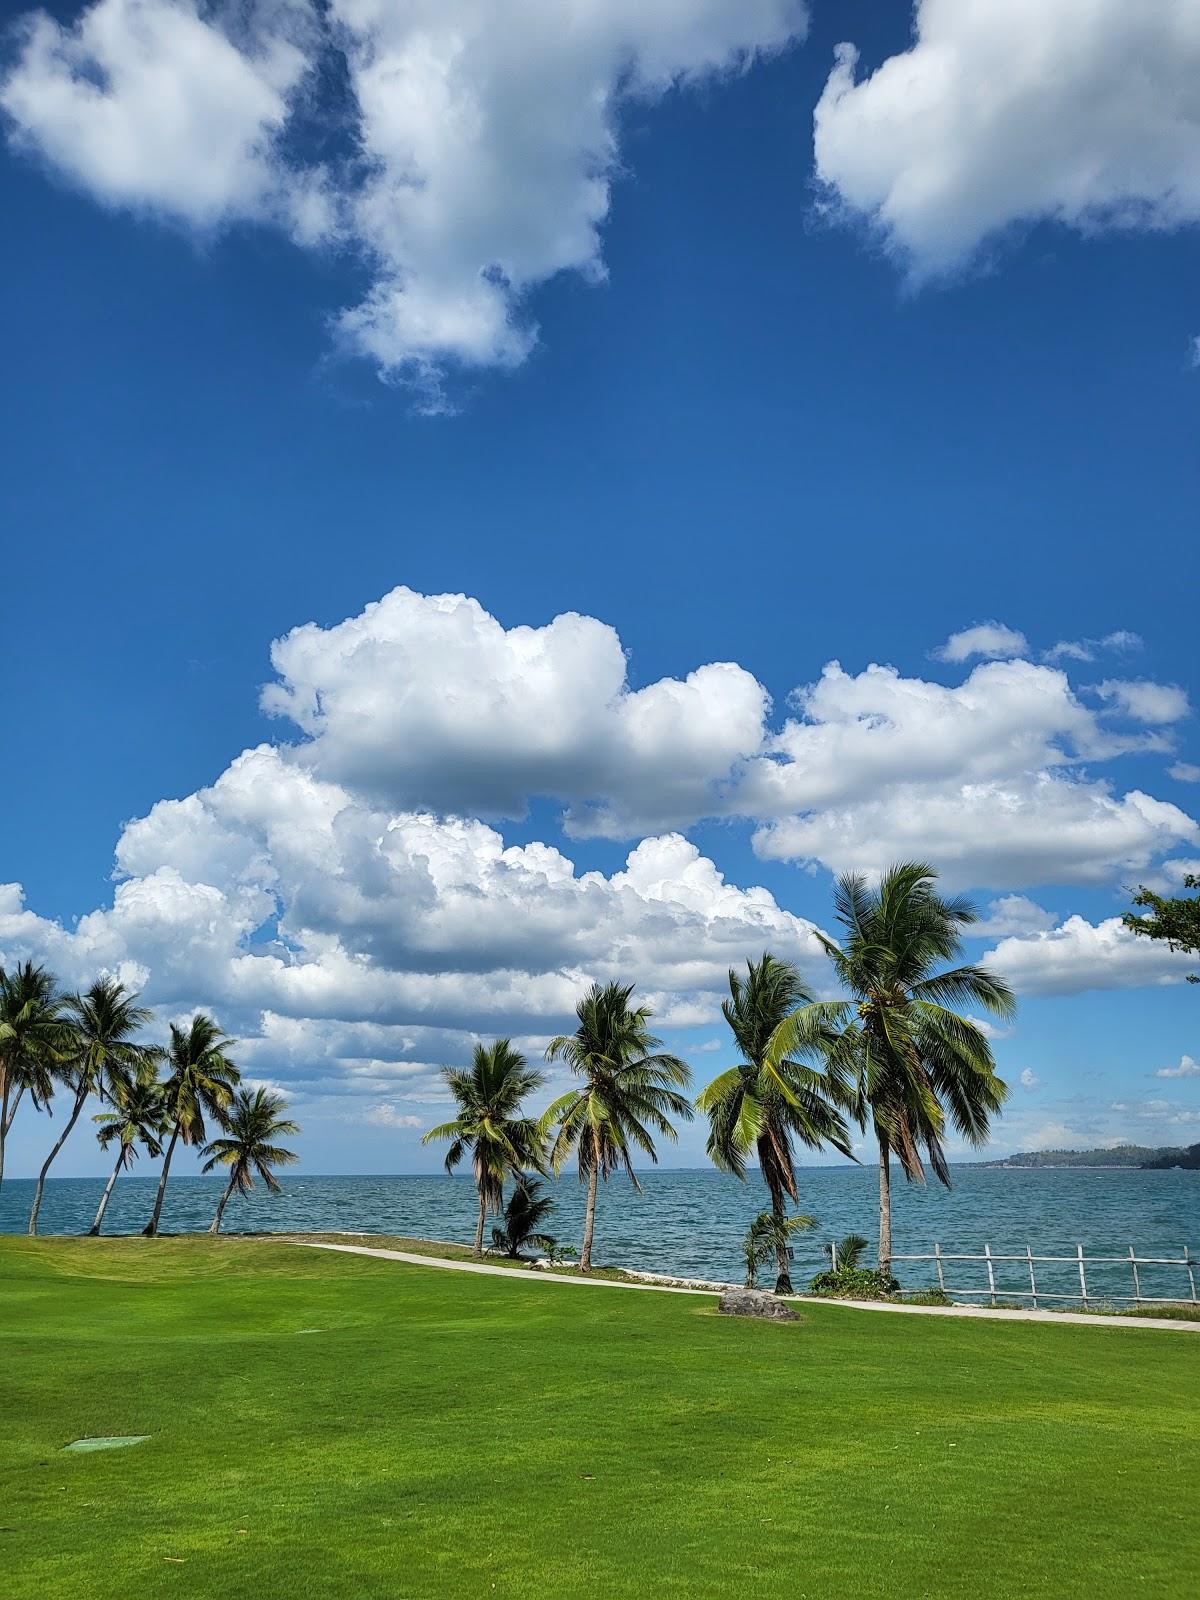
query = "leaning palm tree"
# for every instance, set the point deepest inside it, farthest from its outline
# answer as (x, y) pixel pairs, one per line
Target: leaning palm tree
(98, 1050)
(200, 1083)
(252, 1124)
(762, 1104)
(138, 1116)
(490, 1127)
(915, 1059)
(32, 1034)
(629, 1091)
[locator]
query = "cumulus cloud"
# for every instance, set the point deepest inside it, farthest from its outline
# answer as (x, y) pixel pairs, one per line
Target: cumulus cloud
(1184, 772)
(982, 777)
(1029, 1078)
(1012, 913)
(485, 136)
(1083, 112)
(1145, 702)
(988, 639)
(1080, 955)
(1187, 1068)
(429, 701)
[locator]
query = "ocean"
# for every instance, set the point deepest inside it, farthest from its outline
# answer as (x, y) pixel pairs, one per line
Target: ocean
(691, 1222)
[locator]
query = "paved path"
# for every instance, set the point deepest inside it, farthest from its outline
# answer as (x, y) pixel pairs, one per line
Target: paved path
(581, 1282)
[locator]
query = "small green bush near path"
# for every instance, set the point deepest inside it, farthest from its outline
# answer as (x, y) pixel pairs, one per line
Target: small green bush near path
(855, 1283)
(327, 1426)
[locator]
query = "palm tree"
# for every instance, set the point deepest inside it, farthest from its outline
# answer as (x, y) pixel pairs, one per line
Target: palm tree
(32, 1032)
(914, 1058)
(768, 1235)
(761, 1104)
(845, 1255)
(252, 1124)
(527, 1209)
(138, 1117)
(199, 1083)
(489, 1126)
(629, 1087)
(98, 1049)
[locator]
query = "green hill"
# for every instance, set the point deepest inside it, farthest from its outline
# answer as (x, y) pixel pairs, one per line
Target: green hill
(1120, 1155)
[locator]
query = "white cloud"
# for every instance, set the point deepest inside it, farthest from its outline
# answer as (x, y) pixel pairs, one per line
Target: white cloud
(486, 135)
(1144, 701)
(988, 639)
(1122, 641)
(1184, 772)
(1006, 112)
(386, 1115)
(1029, 1078)
(1187, 1068)
(1012, 913)
(507, 714)
(1080, 955)
(149, 105)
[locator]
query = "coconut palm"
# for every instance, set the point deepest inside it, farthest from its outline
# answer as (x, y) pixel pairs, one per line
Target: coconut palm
(251, 1124)
(524, 1214)
(767, 1236)
(762, 1105)
(200, 1082)
(490, 1127)
(916, 1060)
(138, 1116)
(98, 1049)
(32, 1033)
(629, 1092)
(846, 1254)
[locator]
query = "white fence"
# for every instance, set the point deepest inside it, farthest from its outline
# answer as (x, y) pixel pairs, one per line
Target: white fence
(1025, 1265)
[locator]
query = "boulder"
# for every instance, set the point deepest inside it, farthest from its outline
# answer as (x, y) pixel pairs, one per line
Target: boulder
(755, 1303)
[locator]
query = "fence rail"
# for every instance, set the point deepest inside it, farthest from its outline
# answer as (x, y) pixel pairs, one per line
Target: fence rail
(990, 1260)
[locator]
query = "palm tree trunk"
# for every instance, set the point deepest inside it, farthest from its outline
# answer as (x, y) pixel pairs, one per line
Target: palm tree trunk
(80, 1097)
(216, 1221)
(783, 1283)
(12, 1109)
(478, 1252)
(151, 1227)
(885, 1207)
(589, 1216)
(4, 1121)
(108, 1189)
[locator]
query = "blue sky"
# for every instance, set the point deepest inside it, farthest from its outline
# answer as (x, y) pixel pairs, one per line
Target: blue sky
(797, 417)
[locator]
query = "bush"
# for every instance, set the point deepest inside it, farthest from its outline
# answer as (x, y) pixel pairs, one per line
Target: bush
(855, 1283)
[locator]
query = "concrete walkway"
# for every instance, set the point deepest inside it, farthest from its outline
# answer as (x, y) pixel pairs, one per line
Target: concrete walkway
(983, 1313)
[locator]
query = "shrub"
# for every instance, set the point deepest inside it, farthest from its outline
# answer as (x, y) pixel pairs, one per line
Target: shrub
(855, 1283)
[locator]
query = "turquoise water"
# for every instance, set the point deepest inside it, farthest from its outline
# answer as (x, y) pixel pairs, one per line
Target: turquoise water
(692, 1222)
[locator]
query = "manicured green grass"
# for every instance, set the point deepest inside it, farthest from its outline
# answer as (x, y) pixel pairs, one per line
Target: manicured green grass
(331, 1425)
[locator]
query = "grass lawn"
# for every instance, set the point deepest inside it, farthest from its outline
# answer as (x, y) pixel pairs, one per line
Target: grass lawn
(332, 1425)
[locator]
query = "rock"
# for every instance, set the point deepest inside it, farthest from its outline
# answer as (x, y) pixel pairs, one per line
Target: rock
(755, 1303)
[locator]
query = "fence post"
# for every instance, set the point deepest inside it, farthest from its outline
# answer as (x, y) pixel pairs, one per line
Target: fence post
(1137, 1287)
(937, 1256)
(1187, 1261)
(833, 1253)
(1032, 1279)
(1082, 1277)
(987, 1251)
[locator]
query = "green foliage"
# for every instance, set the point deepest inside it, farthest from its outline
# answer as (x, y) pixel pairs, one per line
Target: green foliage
(849, 1251)
(527, 1209)
(767, 1236)
(855, 1283)
(1173, 919)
